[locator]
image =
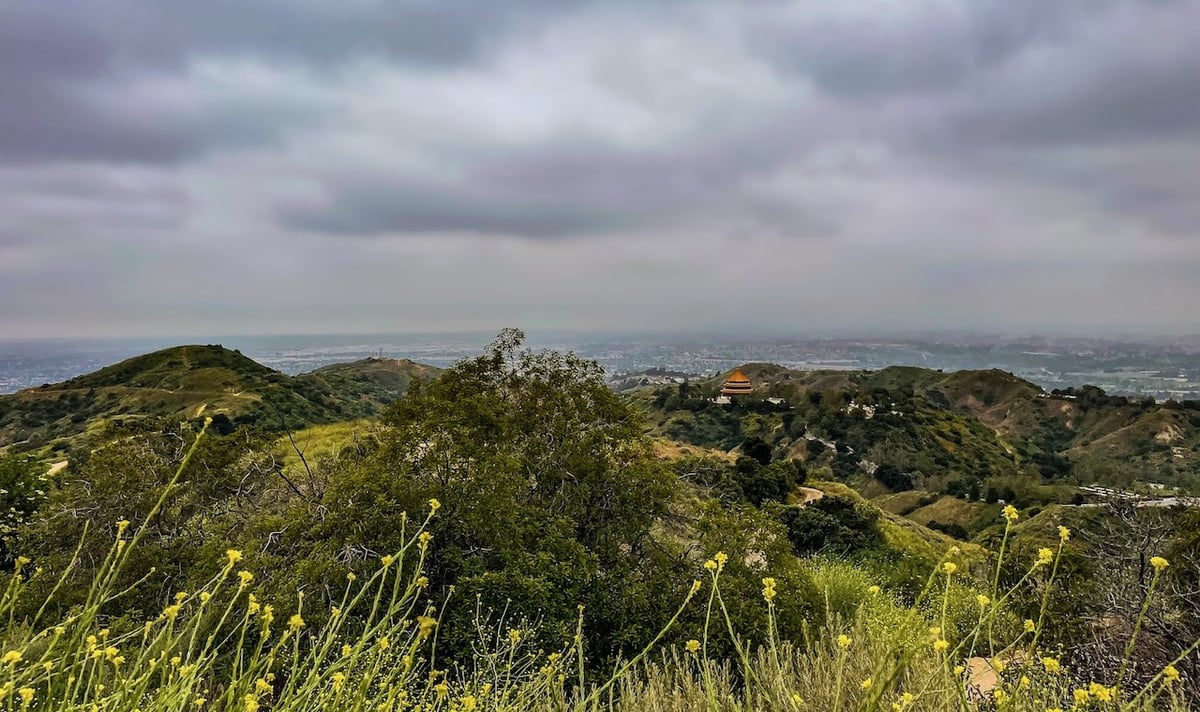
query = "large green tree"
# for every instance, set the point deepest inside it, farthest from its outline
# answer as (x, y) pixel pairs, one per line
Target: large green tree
(548, 491)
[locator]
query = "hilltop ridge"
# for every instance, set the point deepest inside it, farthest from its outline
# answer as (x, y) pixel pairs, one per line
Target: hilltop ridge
(184, 382)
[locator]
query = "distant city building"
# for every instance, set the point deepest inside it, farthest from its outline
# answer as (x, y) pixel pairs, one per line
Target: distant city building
(737, 385)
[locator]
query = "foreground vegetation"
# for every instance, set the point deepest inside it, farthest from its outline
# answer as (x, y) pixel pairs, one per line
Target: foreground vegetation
(221, 647)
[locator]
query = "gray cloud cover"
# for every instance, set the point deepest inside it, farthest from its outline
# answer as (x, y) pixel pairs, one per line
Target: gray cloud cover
(267, 166)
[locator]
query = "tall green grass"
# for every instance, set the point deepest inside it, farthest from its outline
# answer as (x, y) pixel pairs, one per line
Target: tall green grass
(221, 648)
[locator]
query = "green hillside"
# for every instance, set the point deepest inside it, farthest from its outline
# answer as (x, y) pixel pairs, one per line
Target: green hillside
(963, 441)
(185, 382)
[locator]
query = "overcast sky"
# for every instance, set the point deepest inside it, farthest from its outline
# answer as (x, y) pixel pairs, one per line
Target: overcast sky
(173, 167)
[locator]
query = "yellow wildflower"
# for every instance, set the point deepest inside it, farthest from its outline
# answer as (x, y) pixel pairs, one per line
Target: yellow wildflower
(721, 558)
(874, 590)
(387, 560)
(181, 596)
(26, 694)
(12, 657)
(122, 526)
(1029, 625)
(844, 641)
(199, 701)
(469, 704)
(171, 612)
(384, 642)
(205, 596)
(423, 539)
(1159, 563)
(1045, 556)
(351, 577)
(1010, 513)
(1171, 674)
(710, 565)
(245, 577)
(797, 699)
(233, 555)
(514, 636)
(1081, 696)
(22, 562)
(695, 586)
(346, 650)
(1000, 696)
(262, 686)
(1064, 534)
(958, 670)
(982, 600)
(425, 626)
(866, 684)
(949, 568)
(339, 679)
(422, 581)
(768, 589)
(295, 622)
(692, 646)
(1052, 665)
(441, 689)
(434, 505)
(1100, 692)
(941, 645)
(250, 702)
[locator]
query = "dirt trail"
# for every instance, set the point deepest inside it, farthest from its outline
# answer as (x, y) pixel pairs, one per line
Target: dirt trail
(803, 495)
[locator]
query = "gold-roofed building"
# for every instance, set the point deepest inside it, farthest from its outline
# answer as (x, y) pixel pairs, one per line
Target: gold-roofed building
(737, 385)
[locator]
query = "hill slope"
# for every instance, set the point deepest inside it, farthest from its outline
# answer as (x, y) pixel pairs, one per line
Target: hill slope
(186, 382)
(976, 435)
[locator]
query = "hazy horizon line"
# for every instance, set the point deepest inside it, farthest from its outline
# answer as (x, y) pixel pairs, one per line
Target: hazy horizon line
(643, 332)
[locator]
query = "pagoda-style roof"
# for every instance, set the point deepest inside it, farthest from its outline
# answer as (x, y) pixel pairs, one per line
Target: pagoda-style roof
(737, 385)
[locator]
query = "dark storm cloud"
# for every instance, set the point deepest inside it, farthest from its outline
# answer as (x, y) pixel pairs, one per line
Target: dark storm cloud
(884, 50)
(566, 191)
(1126, 75)
(67, 67)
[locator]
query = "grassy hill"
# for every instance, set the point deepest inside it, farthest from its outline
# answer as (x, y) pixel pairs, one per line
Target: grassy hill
(188, 382)
(962, 440)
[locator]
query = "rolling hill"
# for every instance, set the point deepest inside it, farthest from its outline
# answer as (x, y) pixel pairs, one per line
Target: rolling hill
(187, 382)
(961, 440)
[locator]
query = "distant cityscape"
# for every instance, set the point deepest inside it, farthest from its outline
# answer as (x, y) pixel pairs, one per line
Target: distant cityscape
(1163, 369)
